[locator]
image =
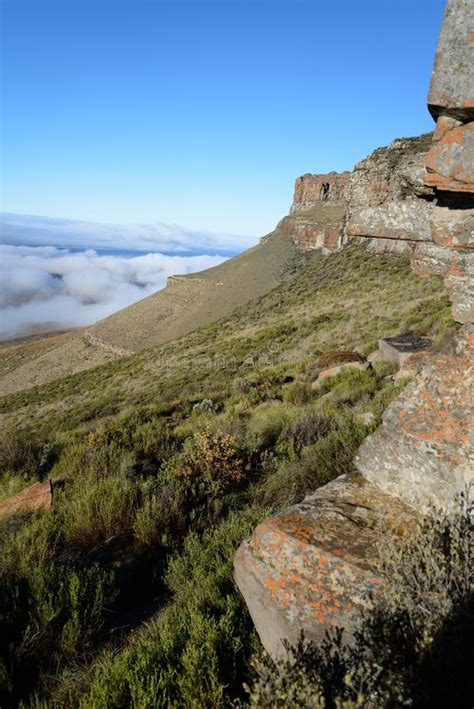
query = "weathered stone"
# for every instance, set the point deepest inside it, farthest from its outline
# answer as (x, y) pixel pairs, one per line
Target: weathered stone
(311, 189)
(406, 220)
(452, 81)
(449, 164)
(399, 349)
(387, 247)
(431, 260)
(457, 267)
(35, 497)
(310, 568)
(452, 227)
(317, 212)
(392, 173)
(404, 373)
(309, 235)
(374, 357)
(366, 418)
(424, 450)
(337, 369)
(313, 566)
(459, 282)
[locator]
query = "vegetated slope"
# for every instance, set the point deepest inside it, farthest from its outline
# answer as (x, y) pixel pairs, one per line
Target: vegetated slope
(165, 460)
(187, 303)
(344, 301)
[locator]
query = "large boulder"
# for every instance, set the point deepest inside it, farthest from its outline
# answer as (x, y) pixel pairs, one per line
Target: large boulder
(452, 81)
(313, 567)
(398, 349)
(449, 164)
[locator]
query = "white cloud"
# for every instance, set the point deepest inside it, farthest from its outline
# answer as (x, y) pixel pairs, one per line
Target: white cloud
(45, 285)
(20, 229)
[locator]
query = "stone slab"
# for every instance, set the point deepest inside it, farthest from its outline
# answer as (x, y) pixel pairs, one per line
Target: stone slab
(406, 220)
(313, 566)
(399, 349)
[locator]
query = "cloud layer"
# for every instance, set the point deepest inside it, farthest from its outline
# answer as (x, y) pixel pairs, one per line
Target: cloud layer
(46, 287)
(19, 229)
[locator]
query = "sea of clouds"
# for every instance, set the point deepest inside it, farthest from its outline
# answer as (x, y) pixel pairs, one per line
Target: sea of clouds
(87, 272)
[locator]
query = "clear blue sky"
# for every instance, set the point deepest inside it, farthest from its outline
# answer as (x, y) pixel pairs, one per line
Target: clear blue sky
(202, 113)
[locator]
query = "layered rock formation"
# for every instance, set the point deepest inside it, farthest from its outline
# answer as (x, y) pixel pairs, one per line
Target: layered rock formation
(310, 568)
(317, 213)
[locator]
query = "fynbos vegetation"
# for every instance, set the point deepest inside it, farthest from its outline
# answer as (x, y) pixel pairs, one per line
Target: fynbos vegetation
(121, 593)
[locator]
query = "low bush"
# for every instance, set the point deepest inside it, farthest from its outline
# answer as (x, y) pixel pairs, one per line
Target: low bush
(94, 511)
(331, 455)
(51, 614)
(199, 647)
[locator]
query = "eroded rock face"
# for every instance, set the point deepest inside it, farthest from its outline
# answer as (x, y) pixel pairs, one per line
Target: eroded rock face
(452, 81)
(389, 174)
(453, 228)
(407, 220)
(317, 211)
(312, 567)
(424, 450)
(450, 160)
(312, 189)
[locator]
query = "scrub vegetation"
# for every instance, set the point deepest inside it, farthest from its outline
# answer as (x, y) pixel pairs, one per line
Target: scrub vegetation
(121, 594)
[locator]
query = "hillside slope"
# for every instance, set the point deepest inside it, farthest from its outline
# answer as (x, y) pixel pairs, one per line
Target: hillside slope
(187, 303)
(163, 461)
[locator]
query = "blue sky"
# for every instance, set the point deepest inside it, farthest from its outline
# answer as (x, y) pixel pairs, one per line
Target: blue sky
(202, 113)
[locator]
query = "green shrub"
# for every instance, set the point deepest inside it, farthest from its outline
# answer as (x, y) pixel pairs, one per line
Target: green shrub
(51, 614)
(199, 647)
(328, 457)
(97, 510)
(298, 393)
(303, 432)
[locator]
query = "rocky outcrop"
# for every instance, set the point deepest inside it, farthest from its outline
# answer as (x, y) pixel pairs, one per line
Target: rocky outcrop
(310, 568)
(389, 174)
(424, 450)
(452, 85)
(434, 216)
(311, 190)
(317, 212)
(407, 220)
